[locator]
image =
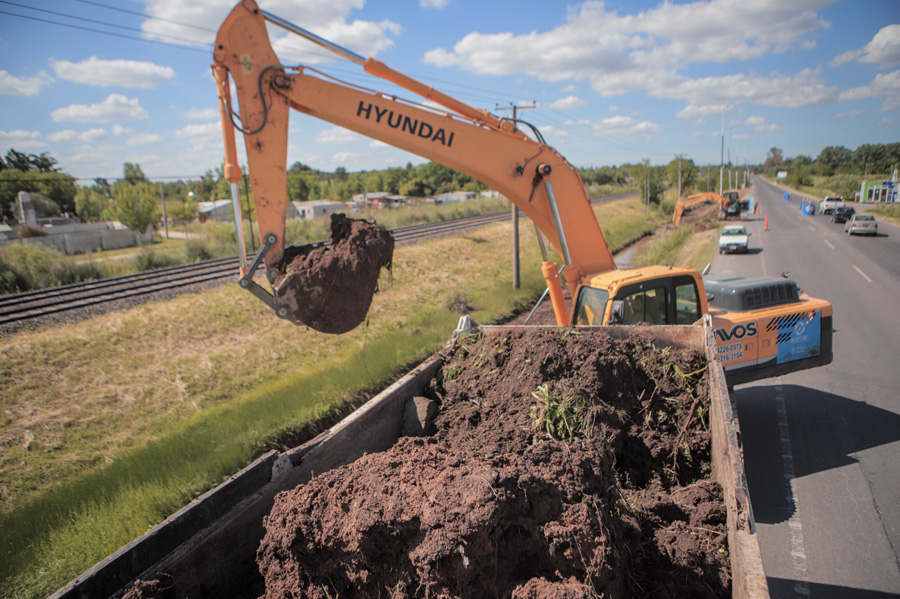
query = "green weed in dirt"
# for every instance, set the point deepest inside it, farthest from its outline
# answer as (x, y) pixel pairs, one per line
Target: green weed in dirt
(560, 416)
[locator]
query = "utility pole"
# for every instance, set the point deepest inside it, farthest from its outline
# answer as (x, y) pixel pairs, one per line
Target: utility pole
(515, 211)
(722, 159)
(162, 197)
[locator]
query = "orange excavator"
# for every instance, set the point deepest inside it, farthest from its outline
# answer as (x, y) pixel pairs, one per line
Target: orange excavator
(693, 200)
(763, 328)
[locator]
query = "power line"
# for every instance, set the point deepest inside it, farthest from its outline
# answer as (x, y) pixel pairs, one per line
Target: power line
(110, 33)
(146, 16)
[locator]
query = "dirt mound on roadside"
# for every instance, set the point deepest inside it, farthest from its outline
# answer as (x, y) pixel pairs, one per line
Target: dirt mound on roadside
(329, 287)
(565, 464)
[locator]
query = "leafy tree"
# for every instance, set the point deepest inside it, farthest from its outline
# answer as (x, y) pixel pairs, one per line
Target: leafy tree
(44, 207)
(103, 186)
(59, 187)
(832, 158)
(416, 187)
(298, 187)
(688, 174)
(90, 202)
(135, 206)
(299, 167)
(774, 158)
(18, 161)
(133, 173)
(43, 163)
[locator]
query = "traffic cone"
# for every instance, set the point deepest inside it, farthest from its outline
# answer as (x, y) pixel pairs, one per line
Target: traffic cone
(766, 228)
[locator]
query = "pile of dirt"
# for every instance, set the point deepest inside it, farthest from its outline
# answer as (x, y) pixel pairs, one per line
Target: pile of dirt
(564, 464)
(329, 287)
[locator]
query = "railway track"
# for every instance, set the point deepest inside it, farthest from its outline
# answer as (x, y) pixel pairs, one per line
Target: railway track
(82, 300)
(21, 308)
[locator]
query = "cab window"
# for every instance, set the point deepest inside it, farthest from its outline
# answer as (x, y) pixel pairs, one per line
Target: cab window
(646, 306)
(590, 306)
(687, 303)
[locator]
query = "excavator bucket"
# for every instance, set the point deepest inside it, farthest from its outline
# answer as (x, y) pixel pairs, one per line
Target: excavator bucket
(329, 287)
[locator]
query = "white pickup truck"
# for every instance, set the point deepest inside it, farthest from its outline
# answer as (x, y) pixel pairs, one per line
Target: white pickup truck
(828, 205)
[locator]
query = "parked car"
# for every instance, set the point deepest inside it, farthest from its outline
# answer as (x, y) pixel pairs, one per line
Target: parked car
(861, 224)
(828, 205)
(842, 214)
(734, 239)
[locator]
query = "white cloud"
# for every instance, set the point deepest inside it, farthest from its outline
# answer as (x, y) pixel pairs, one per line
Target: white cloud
(21, 140)
(192, 22)
(343, 158)
(886, 121)
(760, 124)
(567, 102)
(84, 137)
(884, 84)
(693, 111)
(144, 139)
(550, 131)
(434, 3)
(365, 38)
(115, 107)
(21, 86)
(376, 144)
(113, 73)
(199, 131)
(201, 114)
(848, 113)
(883, 50)
(621, 53)
(336, 135)
(119, 130)
(806, 88)
(624, 125)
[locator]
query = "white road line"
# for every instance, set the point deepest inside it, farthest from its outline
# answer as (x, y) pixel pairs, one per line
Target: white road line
(861, 273)
(828, 243)
(798, 550)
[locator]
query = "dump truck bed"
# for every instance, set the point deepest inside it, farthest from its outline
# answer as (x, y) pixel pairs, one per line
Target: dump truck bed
(208, 549)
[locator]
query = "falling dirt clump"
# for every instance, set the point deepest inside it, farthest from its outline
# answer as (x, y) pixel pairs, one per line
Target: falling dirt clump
(564, 464)
(329, 287)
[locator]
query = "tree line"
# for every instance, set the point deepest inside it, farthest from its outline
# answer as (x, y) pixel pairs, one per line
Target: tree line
(136, 201)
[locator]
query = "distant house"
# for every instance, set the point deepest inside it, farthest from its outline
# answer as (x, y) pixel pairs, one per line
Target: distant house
(216, 211)
(454, 196)
(313, 209)
(379, 200)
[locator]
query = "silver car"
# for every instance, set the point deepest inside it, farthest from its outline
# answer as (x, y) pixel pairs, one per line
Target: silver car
(861, 224)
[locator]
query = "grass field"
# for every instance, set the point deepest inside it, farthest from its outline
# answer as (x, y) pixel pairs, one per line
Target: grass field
(109, 425)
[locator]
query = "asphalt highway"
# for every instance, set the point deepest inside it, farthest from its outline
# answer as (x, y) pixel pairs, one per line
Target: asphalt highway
(822, 446)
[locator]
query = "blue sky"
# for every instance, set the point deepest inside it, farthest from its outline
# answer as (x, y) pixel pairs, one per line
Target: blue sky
(610, 82)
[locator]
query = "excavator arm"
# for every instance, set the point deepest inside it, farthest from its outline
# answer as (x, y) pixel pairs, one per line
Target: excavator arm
(693, 200)
(530, 173)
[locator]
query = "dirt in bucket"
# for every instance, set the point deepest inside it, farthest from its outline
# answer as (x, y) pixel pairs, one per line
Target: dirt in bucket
(564, 464)
(329, 287)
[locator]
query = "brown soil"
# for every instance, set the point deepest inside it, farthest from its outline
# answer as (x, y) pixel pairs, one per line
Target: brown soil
(564, 464)
(329, 287)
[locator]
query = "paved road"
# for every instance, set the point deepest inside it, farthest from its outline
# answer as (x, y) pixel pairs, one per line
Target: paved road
(822, 447)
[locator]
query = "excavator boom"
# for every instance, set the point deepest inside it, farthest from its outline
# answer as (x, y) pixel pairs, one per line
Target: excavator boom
(530, 173)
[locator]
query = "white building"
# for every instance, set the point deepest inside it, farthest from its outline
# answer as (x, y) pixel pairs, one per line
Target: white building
(313, 209)
(454, 196)
(217, 211)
